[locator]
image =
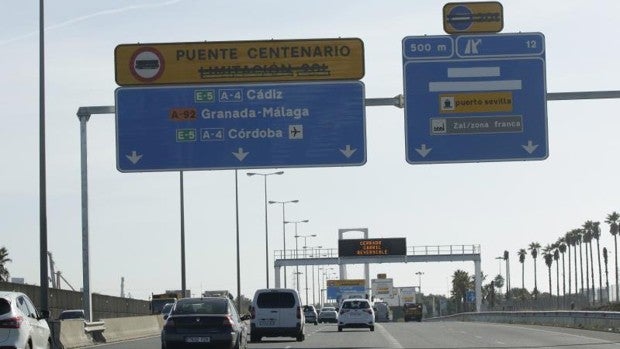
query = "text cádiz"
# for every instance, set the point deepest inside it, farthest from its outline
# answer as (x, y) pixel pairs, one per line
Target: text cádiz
(265, 112)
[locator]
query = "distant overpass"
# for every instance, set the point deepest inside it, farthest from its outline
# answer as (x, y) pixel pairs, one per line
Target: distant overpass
(415, 254)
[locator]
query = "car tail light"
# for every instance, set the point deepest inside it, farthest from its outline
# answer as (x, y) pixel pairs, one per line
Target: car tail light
(252, 313)
(14, 322)
(299, 312)
(228, 322)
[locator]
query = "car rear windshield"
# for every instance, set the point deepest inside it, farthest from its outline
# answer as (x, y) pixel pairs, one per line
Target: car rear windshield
(5, 306)
(355, 305)
(201, 307)
(275, 300)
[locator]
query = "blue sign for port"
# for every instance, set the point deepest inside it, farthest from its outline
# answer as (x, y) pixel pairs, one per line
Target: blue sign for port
(474, 98)
(240, 126)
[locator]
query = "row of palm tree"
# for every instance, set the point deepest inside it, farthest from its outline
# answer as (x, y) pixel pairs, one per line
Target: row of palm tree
(576, 239)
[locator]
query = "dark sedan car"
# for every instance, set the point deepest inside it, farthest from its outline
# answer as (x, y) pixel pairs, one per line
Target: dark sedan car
(208, 322)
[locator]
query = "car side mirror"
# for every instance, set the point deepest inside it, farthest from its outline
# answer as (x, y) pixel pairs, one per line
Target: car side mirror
(43, 314)
(166, 316)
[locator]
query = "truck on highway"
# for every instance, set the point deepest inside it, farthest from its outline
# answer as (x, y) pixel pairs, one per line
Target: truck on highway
(160, 299)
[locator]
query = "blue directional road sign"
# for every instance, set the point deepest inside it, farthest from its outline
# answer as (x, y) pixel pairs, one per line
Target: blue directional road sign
(474, 98)
(240, 126)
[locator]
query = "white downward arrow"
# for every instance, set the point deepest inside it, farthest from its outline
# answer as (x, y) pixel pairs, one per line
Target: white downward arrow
(530, 147)
(134, 157)
(423, 150)
(240, 154)
(347, 151)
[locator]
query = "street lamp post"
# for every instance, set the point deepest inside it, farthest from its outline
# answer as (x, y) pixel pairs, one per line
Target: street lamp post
(305, 247)
(313, 255)
(296, 247)
(265, 175)
(419, 274)
(283, 203)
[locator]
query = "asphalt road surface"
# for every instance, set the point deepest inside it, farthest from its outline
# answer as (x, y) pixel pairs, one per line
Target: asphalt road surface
(429, 335)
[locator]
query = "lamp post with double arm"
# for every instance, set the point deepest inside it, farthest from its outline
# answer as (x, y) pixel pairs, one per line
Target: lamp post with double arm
(296, 246)
(283, 203)
(265, 175)
(305, 248)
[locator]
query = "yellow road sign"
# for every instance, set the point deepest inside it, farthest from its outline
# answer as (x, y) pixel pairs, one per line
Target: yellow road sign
(473, 17)
(475, 102)
(239, 61)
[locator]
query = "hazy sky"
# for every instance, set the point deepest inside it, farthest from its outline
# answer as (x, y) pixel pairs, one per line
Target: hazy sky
(134, 217)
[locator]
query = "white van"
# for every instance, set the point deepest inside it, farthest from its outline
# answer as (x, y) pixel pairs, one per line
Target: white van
(276, 312)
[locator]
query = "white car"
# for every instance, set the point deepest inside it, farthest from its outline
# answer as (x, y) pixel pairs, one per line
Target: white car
(356, 312)
(21, 325)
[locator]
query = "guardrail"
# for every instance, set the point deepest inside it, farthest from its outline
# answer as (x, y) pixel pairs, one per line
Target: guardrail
(592, 320)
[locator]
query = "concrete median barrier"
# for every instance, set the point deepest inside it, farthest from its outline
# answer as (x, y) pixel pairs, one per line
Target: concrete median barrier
(120, 329)
(72, 334)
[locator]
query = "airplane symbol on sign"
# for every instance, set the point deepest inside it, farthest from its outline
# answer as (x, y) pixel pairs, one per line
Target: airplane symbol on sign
(295, 131)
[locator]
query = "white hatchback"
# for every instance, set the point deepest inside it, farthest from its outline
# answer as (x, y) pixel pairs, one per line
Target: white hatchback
(21, 325)
(356, 312)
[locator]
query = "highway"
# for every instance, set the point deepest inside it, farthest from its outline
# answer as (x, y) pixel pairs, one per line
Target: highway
(427, 335)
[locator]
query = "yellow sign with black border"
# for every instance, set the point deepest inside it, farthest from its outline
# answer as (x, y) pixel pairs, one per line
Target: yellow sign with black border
(239, 61)
(473, 17)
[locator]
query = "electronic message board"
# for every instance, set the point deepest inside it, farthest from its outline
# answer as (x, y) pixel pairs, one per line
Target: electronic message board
(372, 247)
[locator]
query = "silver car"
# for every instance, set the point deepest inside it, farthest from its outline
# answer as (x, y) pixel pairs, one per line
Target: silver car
(328, 314)
(21, 325)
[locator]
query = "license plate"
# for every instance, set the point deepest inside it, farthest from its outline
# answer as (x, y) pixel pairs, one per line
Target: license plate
(197, 339)
(267, 322)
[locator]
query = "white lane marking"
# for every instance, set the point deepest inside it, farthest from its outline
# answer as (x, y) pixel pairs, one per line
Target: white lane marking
(394, 343)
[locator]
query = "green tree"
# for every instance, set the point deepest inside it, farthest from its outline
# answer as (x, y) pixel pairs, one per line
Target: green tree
(534, 247)
(556, 258)
(461, 282)
(578, 241)
(612, 220)
(586, 235)
(548, 257)
(568, 239)
(4, 259)
(596, 234)
(562, 247)
(522, 253)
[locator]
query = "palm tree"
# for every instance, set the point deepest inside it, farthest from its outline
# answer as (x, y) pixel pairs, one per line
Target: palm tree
(578, 239)
(556, 258)
(522, 253)
(4, 259)
(612, 220)
(562, 247)
(534, 247)
(596, 234)
(586, 236)
(568, 239)
(548, 256)
(606, 273)
(506, 258)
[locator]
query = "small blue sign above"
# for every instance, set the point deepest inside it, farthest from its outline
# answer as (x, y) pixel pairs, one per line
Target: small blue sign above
(474, 98)
(206, 127)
